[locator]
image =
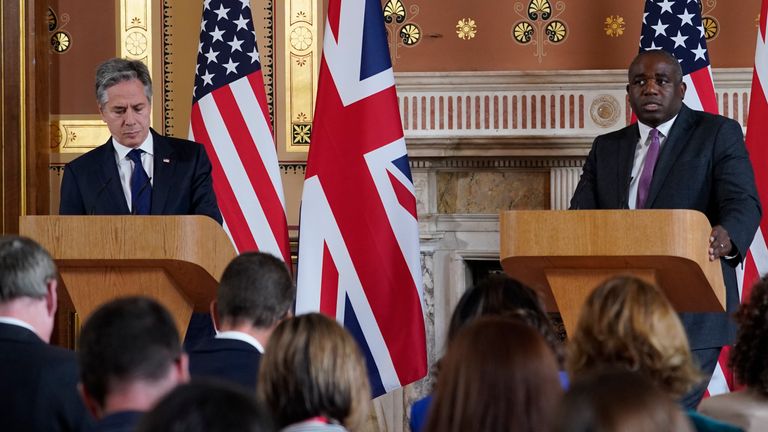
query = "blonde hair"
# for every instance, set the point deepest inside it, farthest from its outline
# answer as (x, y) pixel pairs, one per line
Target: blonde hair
(629, 323)
(313, 367)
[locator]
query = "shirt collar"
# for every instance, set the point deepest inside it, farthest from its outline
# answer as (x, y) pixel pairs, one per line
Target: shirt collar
(122, 151)
(663, 129)
(17, 322)
(245, 337)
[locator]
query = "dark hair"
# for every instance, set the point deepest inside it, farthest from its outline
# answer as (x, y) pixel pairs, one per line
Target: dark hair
(255, 287)
(500, 295)
(132, 338)
(618, 400)
(668, 57)
(116, 70)
(498, 375)
(206, 406)
(313, 367)
(749, 357)
(25, 268)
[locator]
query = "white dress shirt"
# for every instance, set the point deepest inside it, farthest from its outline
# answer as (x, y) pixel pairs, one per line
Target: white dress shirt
(641, 151)
(245, 337)
(125, 165)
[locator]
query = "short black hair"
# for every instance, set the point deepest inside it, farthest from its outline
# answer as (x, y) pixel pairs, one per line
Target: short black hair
(671, 59)
(206, 406)
(132, 338)
(255, 287)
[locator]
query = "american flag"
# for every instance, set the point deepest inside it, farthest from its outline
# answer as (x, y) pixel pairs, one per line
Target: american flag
(359, 256)
(675, 26)
(231, 119)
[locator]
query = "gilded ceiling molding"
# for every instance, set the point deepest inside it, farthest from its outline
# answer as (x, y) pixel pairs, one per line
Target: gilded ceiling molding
(302, 61)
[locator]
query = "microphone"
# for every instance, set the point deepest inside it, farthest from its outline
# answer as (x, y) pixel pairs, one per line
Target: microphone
(141, 190)
(98, 195)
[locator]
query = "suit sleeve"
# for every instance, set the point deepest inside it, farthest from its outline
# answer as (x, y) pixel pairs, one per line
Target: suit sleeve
(203, 196)
(738, 207)
(71, 198)
(584, 198)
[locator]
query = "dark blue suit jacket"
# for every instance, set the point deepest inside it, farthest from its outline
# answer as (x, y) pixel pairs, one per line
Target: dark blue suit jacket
(227, 359)
(38, 385)
(121, 421)
(704, 166)
(181, 181)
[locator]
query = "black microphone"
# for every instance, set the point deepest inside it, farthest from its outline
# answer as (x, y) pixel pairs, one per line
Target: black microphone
(98, 195)
(141, 190)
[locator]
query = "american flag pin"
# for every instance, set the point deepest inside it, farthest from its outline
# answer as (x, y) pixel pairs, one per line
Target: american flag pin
(166, 160)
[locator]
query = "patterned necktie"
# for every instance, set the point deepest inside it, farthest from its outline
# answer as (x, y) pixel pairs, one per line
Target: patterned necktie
(141, 189)
(647, 175)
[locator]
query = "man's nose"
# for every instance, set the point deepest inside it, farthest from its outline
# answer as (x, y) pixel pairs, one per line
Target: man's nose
(651, 87)
(129, 117)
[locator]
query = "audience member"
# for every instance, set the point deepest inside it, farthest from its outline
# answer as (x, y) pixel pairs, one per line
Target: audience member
(130, 357)
(628, 323)
(38, 382)
(203, 406)
(618, 400)
(313, 376)
(748, 408)
(499, 295)
(255, 293)
(498, 374)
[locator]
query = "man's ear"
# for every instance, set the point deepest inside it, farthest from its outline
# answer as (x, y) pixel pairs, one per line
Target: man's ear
(51, 297)
(182, 368)
(683, 88)
(90, 403)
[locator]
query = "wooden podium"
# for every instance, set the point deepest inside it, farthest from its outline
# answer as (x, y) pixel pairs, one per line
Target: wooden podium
(176, 260)
(566, 254)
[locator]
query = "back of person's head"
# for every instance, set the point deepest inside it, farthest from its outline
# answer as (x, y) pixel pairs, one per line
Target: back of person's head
(628, 323)
(749, 357)
(25, 269)
(314, 368)
(498, 375)
(501, 295)
(206, 406)
(618, 400)
(255, 288)
(129, 340)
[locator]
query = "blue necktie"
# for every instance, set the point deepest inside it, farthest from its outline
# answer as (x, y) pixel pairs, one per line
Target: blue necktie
(141, 189)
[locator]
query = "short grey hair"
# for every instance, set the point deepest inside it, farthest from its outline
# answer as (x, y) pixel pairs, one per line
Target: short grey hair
(25, 268)
(116, 70)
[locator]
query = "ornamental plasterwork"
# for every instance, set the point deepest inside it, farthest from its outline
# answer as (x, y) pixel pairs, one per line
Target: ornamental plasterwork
(540, 25)
(61, 40)
(466, 29)
(402, 32)
(301, 61)
(614, 25)
(710, 23)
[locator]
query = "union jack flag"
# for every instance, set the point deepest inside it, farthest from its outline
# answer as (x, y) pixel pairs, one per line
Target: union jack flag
(359, 254)
(231, 119)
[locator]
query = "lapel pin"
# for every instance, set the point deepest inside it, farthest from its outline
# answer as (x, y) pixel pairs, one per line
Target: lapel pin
(166, 160)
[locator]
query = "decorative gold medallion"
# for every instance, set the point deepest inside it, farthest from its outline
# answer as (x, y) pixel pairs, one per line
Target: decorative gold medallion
(711, 27)
(301, 132)
(556, 31)
(614, 26)
(466, 28)
(523, 32)
(539, 8)
(301, 38)
(410, 34)
(60, 41)
(394, 11)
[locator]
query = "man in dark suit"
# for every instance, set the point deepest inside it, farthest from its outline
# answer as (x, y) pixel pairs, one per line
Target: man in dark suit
(38, 382)
(130, 357)
(698, 161)
(256, 293)
(174, 176)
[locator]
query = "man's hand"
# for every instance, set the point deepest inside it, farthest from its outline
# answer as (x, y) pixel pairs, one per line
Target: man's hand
(719, 243)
